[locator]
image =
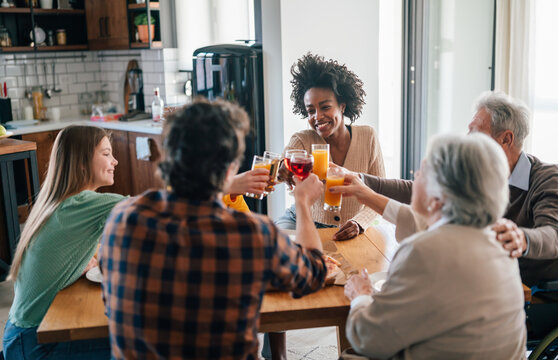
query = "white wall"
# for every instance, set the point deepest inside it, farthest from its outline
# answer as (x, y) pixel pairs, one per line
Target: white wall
(346, 31)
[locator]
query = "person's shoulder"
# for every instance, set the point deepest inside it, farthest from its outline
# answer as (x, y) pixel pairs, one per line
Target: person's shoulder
(542, 174)
(305, 135)
(255, 222)
(366, 130)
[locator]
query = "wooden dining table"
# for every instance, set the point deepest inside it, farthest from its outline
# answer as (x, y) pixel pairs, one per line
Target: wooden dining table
(77, 311)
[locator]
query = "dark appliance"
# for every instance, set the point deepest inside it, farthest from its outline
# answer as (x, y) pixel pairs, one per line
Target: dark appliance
(135, 101)
(235, 72)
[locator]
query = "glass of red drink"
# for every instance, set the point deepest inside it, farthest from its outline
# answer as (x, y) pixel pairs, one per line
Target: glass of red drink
(301, 165)
(289, 153)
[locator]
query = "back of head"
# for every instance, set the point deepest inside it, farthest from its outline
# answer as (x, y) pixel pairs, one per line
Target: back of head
(201, 142)
(69, 172)
(506, 113)
(470, 173)
(313, 71)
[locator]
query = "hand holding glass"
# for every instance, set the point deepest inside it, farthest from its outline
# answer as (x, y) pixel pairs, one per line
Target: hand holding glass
(335, 177)
(259, 163)
(275, 160)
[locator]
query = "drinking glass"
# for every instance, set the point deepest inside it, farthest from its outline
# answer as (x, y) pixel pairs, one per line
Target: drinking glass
(301, 165)
(259, 163)
(275, 160)
(321, 159)
(290, 153)
(335, 177)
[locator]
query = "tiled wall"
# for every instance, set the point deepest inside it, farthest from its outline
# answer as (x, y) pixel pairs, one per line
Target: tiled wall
(89, 72)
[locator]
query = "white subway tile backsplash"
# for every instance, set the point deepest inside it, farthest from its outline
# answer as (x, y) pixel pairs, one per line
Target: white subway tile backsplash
(68, 99)
(93, 86)
(14, 70)
(76, 88)
(75, 76)
(92, 66)
(68, 79)
(85, 77)
(75, 67)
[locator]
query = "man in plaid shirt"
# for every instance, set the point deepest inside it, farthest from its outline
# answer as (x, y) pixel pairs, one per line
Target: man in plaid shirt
(184, 277)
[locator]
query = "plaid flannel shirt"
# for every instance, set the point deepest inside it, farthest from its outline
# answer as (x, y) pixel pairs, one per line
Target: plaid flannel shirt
(185, 279)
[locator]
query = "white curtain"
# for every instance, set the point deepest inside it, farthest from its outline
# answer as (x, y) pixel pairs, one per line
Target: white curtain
(514, 50)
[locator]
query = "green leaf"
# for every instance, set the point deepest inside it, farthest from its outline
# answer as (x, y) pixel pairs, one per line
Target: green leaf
(141, 19)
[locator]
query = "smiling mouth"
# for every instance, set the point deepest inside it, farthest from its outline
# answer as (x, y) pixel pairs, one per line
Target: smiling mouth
(322, 126)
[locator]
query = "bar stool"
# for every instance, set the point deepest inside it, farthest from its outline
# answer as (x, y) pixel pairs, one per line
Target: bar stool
(13, 150)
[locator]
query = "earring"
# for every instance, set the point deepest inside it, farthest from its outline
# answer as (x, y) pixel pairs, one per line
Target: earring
(429, 208)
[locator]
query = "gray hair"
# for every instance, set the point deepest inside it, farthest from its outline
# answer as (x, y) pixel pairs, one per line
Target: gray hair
(470, 174)
(506, 113)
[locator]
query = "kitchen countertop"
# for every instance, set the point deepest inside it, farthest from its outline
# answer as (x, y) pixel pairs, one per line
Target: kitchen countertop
(142, 126)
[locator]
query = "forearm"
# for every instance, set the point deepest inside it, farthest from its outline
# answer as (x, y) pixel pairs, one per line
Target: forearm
(543, 242)
(396, 189)
(306, 233)
(375, 201)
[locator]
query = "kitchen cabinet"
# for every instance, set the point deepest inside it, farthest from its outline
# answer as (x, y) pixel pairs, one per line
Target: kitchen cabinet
(44, 141)
(145, 172)
(151, 10)
(107, 24)
(20, 20)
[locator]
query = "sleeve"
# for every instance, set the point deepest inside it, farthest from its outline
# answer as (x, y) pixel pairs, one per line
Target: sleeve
(296, 269)
(239, 204)
(543, 235)
(397, 189)
(366, 216)
(408, 223)
(296, 143)
(380, 328)
(100, 205)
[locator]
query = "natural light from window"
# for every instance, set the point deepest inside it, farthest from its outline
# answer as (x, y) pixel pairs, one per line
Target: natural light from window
(545, 113)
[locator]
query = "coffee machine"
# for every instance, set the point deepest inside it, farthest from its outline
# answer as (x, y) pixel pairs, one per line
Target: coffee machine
(135, 101)
(133, 91)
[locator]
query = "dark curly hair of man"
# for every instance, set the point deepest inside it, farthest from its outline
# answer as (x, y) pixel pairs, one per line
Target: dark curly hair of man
(201, 142)
(313, 71)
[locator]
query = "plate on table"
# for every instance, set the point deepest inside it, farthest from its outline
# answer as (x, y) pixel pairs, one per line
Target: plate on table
(6, 135)
(20, 123)
(94, 274)
(377, 280)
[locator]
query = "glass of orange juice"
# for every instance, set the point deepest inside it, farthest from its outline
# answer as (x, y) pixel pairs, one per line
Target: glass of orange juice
(335, 177)
(259, 162)
(320, 152)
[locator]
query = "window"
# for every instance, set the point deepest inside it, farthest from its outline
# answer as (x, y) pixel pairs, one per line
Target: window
(544, 125)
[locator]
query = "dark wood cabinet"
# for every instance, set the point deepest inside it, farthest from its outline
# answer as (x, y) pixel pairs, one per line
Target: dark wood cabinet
(44, 141)
(107, 24)
(144, 172)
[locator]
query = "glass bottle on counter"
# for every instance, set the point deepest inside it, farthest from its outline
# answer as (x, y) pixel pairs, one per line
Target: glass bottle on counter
(157, 107)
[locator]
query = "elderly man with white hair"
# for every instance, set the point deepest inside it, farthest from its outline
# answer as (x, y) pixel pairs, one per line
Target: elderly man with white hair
(529, 229)
(451, 291)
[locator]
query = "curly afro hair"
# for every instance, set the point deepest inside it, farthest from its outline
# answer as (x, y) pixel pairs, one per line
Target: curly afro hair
(314, 71)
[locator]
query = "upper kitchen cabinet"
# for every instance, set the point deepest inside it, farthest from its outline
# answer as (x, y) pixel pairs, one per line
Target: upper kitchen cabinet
(144, 25)
(107, 24)
(55, 29)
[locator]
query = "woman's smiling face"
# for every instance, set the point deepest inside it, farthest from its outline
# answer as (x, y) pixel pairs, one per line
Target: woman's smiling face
(325, 114)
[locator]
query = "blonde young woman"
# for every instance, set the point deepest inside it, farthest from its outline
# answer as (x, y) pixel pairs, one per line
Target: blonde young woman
(59, 240)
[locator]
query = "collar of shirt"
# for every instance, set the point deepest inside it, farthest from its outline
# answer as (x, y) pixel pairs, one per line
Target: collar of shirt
(520, 174)
(442, 221)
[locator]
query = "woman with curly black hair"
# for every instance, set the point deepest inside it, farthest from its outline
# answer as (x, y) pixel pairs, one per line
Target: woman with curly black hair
(325, 93)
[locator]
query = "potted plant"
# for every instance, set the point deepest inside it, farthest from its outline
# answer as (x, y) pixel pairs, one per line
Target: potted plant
(140, 21)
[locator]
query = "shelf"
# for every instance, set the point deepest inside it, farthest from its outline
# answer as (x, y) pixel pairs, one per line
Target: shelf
(140, 45)
(18, 49)
(152, 6)
(39, 12)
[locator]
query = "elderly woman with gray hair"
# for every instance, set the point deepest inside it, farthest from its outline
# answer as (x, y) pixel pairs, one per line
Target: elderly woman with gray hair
(452, 291)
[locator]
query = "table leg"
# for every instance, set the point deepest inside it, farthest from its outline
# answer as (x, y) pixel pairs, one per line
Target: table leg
(10, 204)
(342, 342)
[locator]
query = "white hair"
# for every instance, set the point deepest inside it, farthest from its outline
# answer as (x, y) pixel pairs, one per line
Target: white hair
(470, 174)
(506, 113)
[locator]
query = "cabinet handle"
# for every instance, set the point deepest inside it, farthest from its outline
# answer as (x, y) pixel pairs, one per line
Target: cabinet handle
(107, 32)
(101, 27)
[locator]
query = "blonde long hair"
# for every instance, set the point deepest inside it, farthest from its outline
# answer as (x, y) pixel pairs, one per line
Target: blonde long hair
(69, 172)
